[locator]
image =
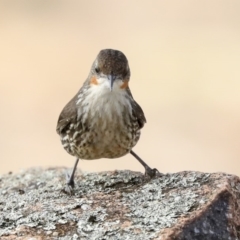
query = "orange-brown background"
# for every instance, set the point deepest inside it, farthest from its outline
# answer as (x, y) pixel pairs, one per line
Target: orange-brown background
(185, 62)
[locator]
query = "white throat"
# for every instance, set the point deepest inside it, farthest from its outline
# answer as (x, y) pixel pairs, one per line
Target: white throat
(100, 101)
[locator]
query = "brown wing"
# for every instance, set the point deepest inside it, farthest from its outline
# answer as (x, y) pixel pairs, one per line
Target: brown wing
(138, 112)
(67, 116)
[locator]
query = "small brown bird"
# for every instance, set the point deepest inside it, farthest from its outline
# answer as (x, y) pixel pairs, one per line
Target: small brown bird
(103, 120)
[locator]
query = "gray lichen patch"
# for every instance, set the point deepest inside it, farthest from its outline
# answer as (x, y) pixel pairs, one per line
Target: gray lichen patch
(107, 205)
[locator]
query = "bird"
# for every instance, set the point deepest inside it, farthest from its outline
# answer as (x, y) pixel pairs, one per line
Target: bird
(103, 120)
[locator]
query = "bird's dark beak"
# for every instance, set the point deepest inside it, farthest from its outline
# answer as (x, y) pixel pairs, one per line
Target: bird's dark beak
(112, 79)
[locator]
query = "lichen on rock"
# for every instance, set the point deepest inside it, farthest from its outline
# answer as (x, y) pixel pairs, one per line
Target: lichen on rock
(119, 205)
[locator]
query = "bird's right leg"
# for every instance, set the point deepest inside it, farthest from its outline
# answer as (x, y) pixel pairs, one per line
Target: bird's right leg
(70, 181)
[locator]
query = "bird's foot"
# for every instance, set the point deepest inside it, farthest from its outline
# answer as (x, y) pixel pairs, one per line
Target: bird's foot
(152, 172)
(69, 187)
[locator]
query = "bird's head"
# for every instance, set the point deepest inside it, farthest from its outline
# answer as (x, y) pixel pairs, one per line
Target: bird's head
(110, 69)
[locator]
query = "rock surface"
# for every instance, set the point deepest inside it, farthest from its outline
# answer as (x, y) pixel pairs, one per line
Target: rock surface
(119, 205)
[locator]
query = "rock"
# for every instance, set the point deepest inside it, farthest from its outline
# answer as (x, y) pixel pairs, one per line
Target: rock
(119, 205)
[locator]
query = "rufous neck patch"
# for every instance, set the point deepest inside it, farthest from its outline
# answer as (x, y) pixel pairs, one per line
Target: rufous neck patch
(124, 85)
(94, 80)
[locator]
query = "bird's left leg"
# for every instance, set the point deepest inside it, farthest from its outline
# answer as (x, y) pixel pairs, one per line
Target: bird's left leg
(151, 172)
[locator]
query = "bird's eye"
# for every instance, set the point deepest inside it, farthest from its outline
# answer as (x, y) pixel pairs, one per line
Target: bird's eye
(97, 70)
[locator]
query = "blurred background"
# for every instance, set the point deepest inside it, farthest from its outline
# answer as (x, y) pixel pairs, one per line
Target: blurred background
(185, 63)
